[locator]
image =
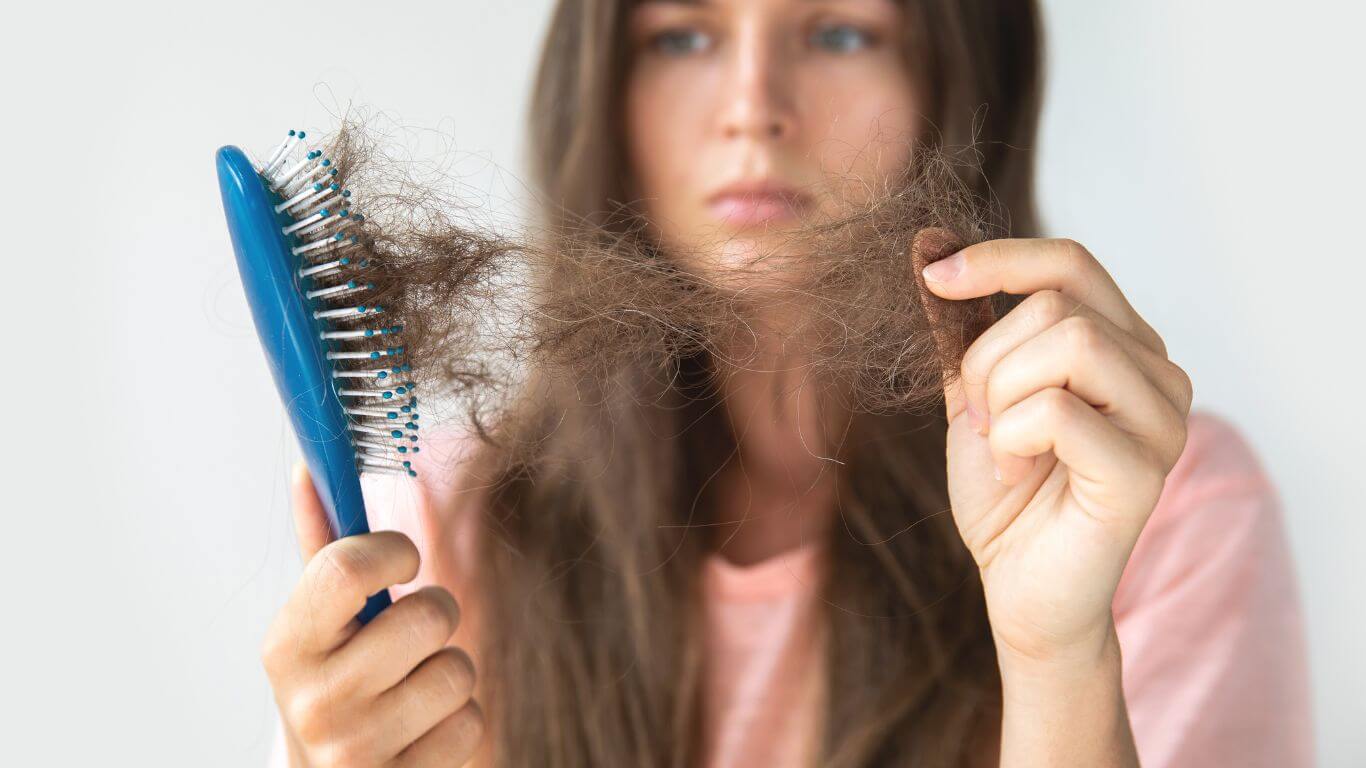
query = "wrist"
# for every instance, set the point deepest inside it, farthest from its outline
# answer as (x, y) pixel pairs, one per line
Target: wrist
(1066, 709)
(1088, 651)
(1096, 661)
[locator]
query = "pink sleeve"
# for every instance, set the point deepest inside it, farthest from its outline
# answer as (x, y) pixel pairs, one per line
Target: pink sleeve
(1208, 616)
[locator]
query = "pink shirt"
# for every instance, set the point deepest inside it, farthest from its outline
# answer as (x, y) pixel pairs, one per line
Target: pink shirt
(1207, 612)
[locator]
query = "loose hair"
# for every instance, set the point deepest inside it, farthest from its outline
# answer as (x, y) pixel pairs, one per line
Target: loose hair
(598, 456)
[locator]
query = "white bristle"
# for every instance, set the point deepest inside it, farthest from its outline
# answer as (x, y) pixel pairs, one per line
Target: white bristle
(369, 412)
(366, 355)
(293, 201)
(318, 269)
(328, 314)
(373, 373)
(323, 246)
(332, 290)
(281, 152)
(378, 401)
(298, 225)
(286, 179)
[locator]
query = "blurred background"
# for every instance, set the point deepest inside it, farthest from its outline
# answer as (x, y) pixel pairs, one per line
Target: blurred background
(1209, 153)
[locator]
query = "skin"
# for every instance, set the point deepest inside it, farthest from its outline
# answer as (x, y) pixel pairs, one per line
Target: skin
(1065, 423)
(391, 693)
(813, 97)
(1068, 415)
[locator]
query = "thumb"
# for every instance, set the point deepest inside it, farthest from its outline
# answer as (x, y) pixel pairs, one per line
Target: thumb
(954, 323)
(310, 520)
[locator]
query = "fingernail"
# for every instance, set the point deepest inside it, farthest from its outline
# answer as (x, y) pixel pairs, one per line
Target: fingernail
(944, 270)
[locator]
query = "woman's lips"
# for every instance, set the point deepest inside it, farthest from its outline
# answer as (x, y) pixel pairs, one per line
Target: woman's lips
(756, 203)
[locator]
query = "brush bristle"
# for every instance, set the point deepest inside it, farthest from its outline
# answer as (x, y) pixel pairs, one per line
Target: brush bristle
(369, 367)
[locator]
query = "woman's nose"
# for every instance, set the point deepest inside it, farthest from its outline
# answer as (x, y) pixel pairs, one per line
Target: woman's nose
(757, 103)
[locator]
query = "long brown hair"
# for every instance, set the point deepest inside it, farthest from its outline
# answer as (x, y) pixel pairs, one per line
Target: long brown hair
(590, 607)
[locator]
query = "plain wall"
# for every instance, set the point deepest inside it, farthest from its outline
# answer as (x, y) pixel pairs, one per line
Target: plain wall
(1208, 152)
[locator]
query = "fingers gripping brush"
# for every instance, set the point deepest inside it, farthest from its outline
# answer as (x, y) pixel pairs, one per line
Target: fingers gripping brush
(339, 369)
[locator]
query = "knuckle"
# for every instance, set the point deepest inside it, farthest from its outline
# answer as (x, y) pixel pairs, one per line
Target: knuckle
(436, 613)
(471, 726)
(975, 367)
(1173, 445)
(1074, 252)
(342, 681)
(1179, 435)
(344, 753)
(406, 550)
(1158, 343)
(454, 672)
(1050, 307)
(1185, 389)
(308, 716)
(1084, 336)
(1153, 475)
(989, 250)
(1055, 404)
(342, 566)
(275, 653)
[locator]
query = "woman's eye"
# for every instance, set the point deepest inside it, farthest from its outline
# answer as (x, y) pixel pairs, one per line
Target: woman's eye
(841, 38)
(679, 42)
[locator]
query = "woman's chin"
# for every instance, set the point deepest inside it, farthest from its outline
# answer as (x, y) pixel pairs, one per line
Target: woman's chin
(746, 262)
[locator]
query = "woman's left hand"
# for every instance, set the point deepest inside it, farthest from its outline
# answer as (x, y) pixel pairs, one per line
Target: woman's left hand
(1062, 429)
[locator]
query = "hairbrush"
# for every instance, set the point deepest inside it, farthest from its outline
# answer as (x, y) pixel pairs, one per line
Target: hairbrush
(340, 370)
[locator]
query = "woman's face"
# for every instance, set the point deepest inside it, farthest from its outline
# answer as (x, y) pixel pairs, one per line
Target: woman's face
(745, 117)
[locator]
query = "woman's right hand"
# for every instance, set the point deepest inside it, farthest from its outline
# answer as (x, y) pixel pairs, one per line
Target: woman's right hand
(389, 693)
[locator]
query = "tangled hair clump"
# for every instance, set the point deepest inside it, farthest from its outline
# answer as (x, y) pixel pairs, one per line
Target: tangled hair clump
(487, 314)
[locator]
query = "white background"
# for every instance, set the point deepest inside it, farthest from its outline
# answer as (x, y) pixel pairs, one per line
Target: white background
(1210, 153)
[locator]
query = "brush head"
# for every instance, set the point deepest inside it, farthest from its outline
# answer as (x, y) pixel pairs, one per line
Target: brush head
(340, 369)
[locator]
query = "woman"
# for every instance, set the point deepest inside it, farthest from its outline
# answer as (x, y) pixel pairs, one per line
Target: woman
(682, 584)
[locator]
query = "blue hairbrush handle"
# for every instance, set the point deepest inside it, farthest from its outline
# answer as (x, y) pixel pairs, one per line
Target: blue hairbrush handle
(294, 349)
